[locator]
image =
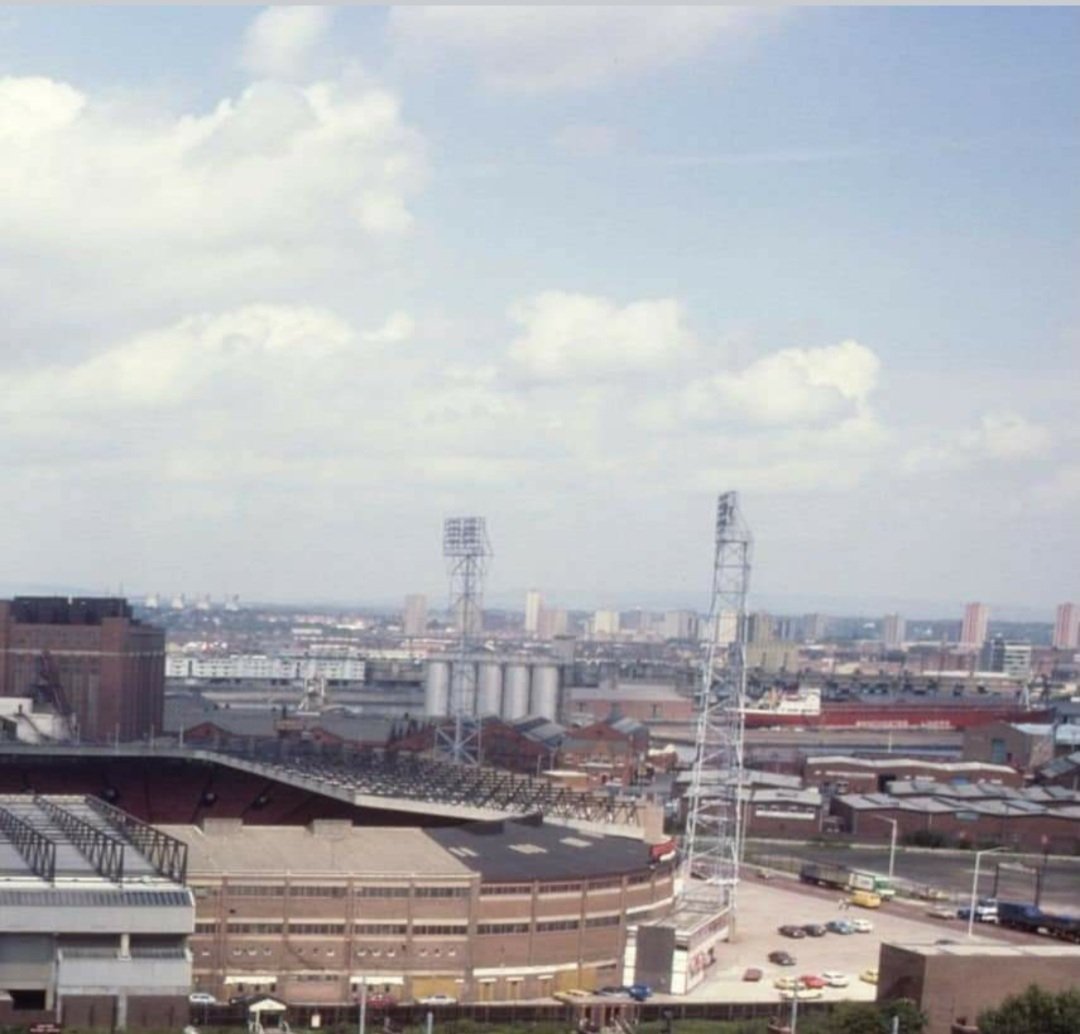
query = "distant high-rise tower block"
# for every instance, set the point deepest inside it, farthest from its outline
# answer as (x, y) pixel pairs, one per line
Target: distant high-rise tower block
(976, 624)
(472, 615)
(605, 623)
(815, 627)
(893, 631)
(552, 623)
(533, 605)
(1067, 627)
(415, 622)
(680, 624)
(760, 627)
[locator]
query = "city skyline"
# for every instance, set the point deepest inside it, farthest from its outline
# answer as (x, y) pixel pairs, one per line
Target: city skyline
(341, 273)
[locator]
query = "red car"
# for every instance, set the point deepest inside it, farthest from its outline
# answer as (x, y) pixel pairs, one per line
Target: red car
(380, 1000)
(752, 975)
(810, 980)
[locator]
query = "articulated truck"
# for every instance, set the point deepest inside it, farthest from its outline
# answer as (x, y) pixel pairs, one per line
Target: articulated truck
(826, 874)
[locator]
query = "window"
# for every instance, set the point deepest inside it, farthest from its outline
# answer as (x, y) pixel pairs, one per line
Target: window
(556, 925)
(442, 892)
(502, 928)
(496, 889)
(303, 891)
(243, 890)
(381, 929)
(560, 888)
(207, 927)
(440, 930)
(310, 929)
(259, 929)
(613, 882)
(382, 892)
(598, 921)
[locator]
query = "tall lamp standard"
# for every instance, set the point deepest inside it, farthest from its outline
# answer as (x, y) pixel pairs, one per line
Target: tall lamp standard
(892, 842)
(975, 886)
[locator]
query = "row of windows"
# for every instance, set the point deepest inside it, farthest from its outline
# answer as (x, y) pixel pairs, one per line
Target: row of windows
(502, 928)
(557, 924)
(598, 921)
(441, 930)
(496, 889)
(246, 890)
(559, 888)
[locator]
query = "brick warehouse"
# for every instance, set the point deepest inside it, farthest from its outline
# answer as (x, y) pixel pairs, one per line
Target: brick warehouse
(110, 665)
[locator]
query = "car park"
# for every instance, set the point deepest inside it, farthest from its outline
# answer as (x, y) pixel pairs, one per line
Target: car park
(862, 926)
(781, 958)
(814, 930)
(792, 931)
(834, 978)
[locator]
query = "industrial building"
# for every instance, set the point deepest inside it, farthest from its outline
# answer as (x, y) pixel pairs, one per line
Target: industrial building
(952, 983)
(94, 917)
(90, 658)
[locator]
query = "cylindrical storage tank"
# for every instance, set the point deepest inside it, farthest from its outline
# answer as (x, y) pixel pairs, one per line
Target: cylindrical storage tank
(463, 681)
(516, 691)
(489, 689)
(545, 691)
(437, 689)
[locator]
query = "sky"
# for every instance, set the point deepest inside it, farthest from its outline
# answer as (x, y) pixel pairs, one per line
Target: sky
(283, 288)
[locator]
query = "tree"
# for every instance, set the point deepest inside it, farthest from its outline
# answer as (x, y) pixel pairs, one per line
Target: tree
(1036, 1011)
(868, 1018)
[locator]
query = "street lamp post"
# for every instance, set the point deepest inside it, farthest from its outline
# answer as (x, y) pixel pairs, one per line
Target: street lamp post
(892, 842)
(361, 1021)
(975, 887)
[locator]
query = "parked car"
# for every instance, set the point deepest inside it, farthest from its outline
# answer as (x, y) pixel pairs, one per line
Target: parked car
(869, 976)
(201, 998)
(813, 981)
(941, 912)
(834, 978)
(752, 975)
(437, 1000)
(785, 983)
(612, 991)
(639, 992)
(789, 930)
(841, 926)
(380, 1000)
(986, 911)
(862, 925)
(781, 958)
(814, 930)
(802, 994)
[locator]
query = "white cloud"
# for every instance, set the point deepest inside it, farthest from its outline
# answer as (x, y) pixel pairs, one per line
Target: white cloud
(398, 327)
(793, 386)
(569, 336)
(535, 50)
(278, 186)
(1000, 436)
(281, 41)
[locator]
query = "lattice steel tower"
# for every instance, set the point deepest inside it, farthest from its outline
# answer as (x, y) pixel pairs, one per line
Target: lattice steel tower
(467, 550)
(715, 826)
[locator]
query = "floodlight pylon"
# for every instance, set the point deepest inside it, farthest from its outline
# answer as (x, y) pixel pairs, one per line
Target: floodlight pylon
(714, 840)
(467, 550)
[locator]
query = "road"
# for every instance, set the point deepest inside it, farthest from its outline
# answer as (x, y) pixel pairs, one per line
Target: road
(953, 872)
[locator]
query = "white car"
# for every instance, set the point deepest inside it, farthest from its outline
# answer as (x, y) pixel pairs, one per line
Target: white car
(862, 925)
(201, 998)
(437, 1000)
(835, 979)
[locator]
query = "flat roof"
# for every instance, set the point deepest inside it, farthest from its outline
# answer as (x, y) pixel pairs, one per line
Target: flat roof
(997, 950)
(324, 849)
